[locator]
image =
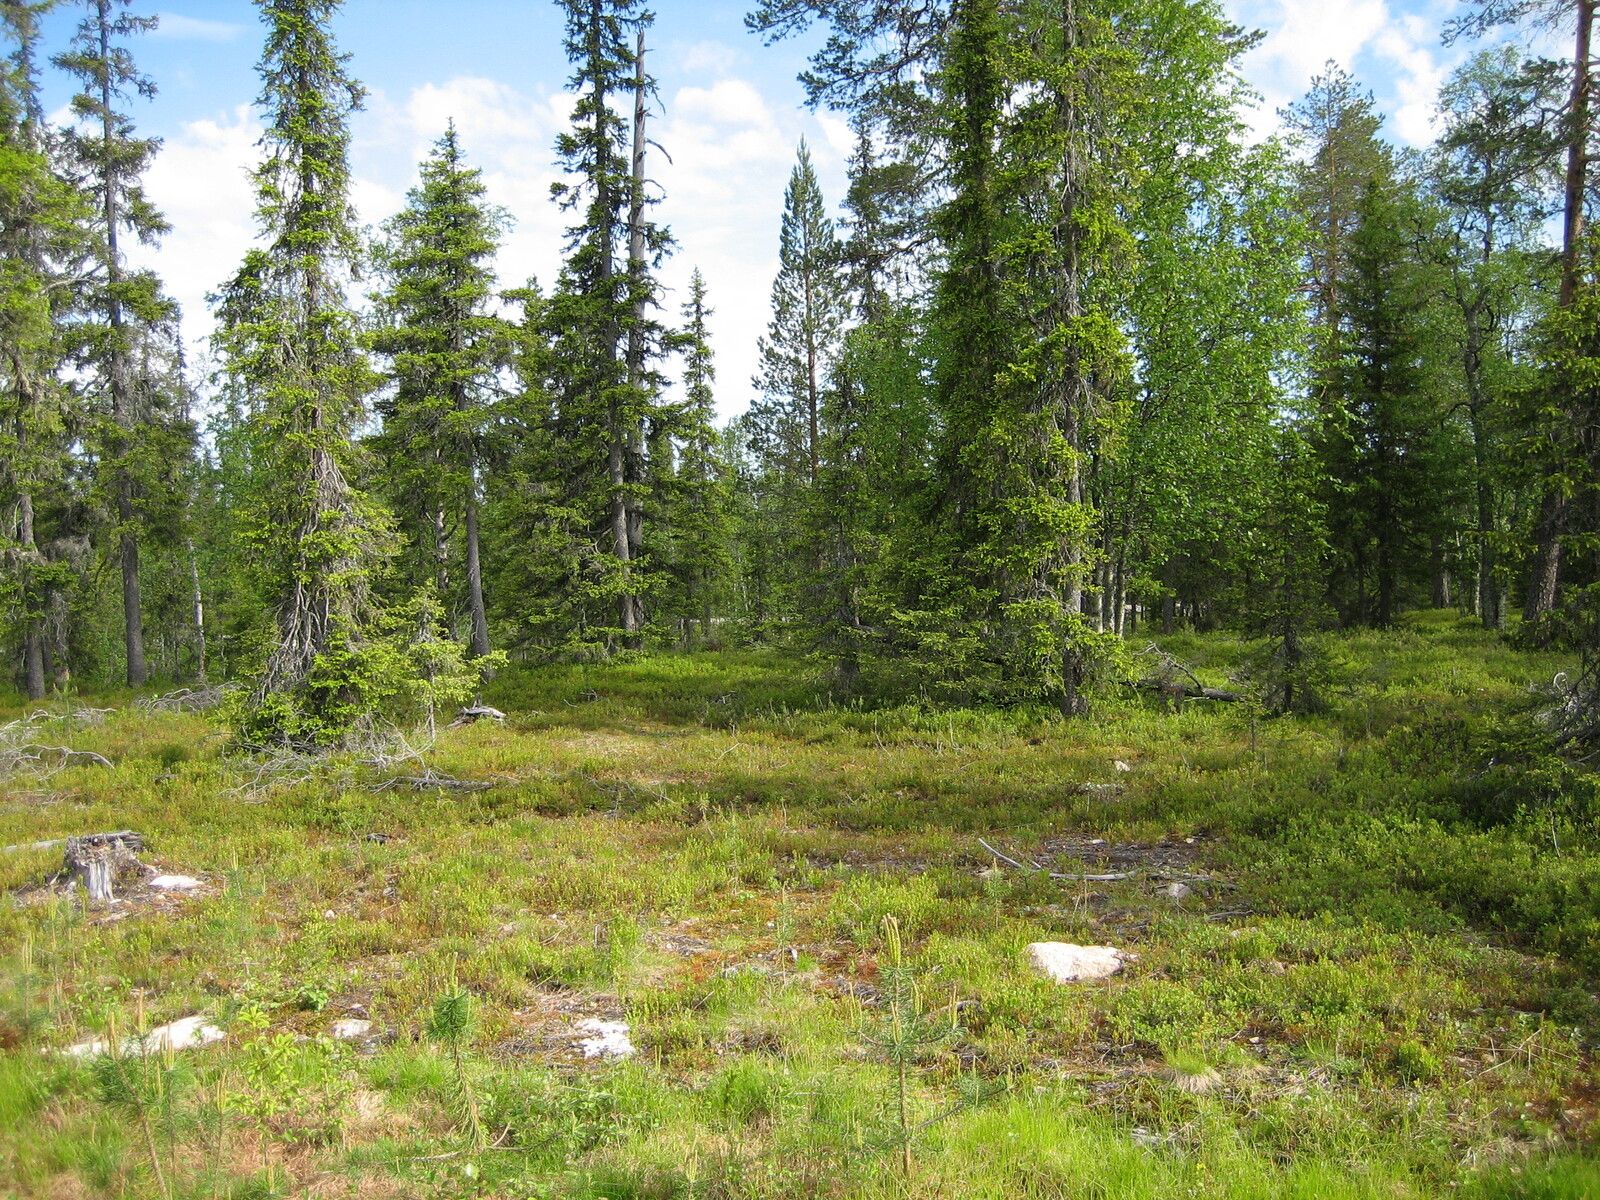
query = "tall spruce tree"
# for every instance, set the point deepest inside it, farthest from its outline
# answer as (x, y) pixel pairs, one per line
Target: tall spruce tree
(693, 495)
(124, 309)
(291, 352)
(608, 342)
(43, 224)
(444, 346)
(808, 312)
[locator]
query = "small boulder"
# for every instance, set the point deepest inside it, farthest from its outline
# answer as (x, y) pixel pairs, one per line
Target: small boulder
(175, 883)
(183, 1034)
(1066, 963)
(348, 1029)
(1177, 891)
(609, 1040)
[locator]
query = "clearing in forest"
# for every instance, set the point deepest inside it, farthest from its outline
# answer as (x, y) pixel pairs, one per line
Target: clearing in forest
(695, 929)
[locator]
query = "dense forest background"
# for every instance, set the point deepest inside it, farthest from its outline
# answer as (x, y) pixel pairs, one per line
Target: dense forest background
(1075, 361)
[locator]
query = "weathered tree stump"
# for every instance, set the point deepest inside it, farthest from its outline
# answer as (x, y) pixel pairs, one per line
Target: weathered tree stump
(96, 860)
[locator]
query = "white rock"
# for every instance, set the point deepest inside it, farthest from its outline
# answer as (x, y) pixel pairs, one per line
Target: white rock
(1066, 963)
(1120, 765)
(175, 883)
(610, 1039)
(183, 1034)
(347, 1029)
(1177, 891)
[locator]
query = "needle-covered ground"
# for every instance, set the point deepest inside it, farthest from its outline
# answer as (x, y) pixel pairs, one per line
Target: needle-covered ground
(1366, 944)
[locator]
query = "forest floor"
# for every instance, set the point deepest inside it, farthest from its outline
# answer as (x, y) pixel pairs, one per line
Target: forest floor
(1376, 980)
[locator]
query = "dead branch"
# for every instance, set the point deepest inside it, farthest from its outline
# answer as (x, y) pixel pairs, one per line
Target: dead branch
(189, 699)
(474, 713)
(430, 779)
(1108, 877)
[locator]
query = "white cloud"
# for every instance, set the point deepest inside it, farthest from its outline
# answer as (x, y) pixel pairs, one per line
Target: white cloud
(723, 192)
(713, 58)
(1411, 45)
(176, 27)
(200, 183)
(1309, 33)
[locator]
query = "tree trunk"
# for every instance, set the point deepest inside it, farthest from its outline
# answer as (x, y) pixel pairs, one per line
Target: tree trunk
(1544, 583)
(480, 618)
(33, 638)
(628, 467)
(199, 611)
(1073, 403)
(121, 398)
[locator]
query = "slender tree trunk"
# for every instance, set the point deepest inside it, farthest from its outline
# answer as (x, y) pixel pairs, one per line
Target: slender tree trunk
(198, 608)
(480, 619)
(1545, 578)
(813, 454)
(33, 637)
(1072, 403)
(626, 460)
(121, 397)
(441, 550)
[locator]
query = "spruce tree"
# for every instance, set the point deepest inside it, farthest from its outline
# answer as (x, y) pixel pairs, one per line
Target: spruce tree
(808, 311)
(312, 539)
(607, 341)
(444, 346)
(126, 315)
(694, 495)
(44, 244)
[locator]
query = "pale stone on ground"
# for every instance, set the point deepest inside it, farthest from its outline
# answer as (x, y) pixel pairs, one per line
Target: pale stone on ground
(1066, 963)
(175, 883)
(610, 1039)
(347, 1029)
(183, 1034)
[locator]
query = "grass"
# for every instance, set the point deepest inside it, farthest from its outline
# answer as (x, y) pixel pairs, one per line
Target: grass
(1379, 982)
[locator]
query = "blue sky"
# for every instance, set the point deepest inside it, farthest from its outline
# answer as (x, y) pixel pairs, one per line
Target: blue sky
(731, 116)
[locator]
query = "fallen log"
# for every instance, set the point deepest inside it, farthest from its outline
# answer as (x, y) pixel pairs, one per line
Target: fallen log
(1172, 690)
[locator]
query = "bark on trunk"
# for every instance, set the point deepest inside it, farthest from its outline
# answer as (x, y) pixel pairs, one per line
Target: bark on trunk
(1544, 584)
(480, 619)
(33, 634)
(198, 609)
(625, 453)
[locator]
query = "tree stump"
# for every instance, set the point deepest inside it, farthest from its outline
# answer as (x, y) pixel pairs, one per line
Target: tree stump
(96, 860)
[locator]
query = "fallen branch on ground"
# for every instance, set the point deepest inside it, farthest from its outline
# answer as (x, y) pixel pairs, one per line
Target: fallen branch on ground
(1108, 877)
(429, 779)
(189, 699)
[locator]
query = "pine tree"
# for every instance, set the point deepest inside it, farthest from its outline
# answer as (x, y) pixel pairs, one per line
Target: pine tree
(126, 313)
(291, 348)
(444, 347)
(1484, 171)
(1335, 120)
